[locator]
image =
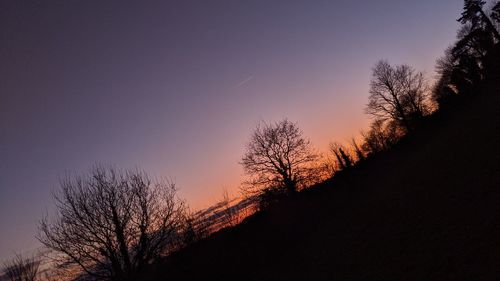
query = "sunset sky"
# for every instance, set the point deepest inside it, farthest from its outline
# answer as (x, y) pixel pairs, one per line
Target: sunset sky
(176, 87)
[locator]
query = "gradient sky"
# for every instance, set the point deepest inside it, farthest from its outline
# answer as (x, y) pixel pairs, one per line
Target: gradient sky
(176, 87)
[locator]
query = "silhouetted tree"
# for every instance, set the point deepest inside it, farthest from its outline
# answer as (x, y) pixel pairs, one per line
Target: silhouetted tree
(474, 14)
(278, 156)
(476, 38)
(111, 223)
(444, 89)
(229, 214)
(191, 232)
(467, 74)
(466, 64)
(495, 12)
(21, 268)
(359, 153)
(398, 93)
(381, 136)
(344, 160)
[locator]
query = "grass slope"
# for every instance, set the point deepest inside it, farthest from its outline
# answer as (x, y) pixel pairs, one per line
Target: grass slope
(427, 210)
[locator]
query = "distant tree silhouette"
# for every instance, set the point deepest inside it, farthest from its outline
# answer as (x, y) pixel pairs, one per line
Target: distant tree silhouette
(344, 160)
(269, 196)
(111, 223)
(192, 231)
(397, 93)
(229, 215)
(381, 136)
(359, 153)
(278, 156)
(444, 88)
(21, 268)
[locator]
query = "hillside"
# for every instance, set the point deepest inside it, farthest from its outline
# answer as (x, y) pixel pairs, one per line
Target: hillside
(427, 210)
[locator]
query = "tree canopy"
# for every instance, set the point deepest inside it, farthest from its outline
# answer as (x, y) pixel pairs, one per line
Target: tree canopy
(111, 223)
(278, 156)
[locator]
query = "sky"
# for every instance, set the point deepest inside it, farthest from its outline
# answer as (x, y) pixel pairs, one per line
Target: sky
(176, 87)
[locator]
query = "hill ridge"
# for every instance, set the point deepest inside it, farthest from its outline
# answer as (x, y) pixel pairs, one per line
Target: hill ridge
(426, 210)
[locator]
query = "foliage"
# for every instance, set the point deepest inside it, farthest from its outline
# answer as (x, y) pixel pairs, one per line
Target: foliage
(465, 64)
(495, 12)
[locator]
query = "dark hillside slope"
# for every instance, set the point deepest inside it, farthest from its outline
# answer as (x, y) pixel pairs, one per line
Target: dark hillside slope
(427, 210)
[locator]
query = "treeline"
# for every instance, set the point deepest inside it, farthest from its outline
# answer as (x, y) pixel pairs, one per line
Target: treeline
(110, 224)
(279, 160)
(400, 97)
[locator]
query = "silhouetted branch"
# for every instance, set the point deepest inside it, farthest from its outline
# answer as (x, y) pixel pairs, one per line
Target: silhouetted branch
(112, 223)
(22, 268)
(278, 156)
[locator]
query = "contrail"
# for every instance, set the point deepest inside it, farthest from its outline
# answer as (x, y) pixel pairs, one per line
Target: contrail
(249, 78)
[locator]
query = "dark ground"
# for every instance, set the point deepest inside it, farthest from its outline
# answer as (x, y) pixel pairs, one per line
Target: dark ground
(427, 210)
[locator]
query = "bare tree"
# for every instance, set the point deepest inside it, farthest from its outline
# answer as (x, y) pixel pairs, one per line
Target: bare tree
(279, 157)
(21, 268)
(398, 93)
(111, 223)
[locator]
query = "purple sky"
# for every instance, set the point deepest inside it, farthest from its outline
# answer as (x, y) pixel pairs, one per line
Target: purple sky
(176, 87)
